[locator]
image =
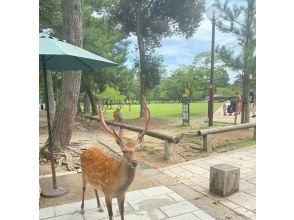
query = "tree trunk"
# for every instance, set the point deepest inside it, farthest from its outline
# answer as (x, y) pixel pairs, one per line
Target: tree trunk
(87, 103)
(141, 47)
(71, 80)
(246, 86)
(50, 96)
(92, 100)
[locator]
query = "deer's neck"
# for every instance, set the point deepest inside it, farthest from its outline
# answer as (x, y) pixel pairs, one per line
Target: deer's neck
(127, 174)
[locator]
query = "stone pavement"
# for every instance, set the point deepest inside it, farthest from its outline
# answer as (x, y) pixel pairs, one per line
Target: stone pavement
(152, 203)
(195, 174)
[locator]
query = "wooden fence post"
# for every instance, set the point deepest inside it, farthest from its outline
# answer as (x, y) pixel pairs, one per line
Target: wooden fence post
(168, 150)
(207, 143)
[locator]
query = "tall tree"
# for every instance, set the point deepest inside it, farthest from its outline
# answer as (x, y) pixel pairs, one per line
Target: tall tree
(50, 16)
(67, 107)
(104, 39)
(152, 20)
(240, 20)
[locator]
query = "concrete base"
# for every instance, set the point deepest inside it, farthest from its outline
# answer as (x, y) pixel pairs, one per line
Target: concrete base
(224, 179)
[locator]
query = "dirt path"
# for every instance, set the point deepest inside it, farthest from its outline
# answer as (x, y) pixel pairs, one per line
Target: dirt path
(152, 153)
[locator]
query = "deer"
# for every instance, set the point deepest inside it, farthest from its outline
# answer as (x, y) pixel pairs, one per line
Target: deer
(113, 177)
(116, 114)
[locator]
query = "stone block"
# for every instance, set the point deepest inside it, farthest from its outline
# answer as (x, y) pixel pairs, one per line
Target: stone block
(224, 179)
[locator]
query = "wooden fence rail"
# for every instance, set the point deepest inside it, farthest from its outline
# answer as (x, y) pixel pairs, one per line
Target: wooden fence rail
(168, 140)
(206, 133)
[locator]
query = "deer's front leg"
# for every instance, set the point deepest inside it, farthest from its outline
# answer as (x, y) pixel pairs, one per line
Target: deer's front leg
(108, 201)
(121, 201)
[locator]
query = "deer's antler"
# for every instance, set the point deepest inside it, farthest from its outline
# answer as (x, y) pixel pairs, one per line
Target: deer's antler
(147, 119)
(110, 131)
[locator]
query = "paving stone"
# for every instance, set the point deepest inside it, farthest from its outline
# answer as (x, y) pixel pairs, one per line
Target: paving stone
(68, 217)
(186, 182)
(189, 167)
(176, 197)
(179, 171)
(245, 177)
(46, 212)
(155, 191)
(178, 208)
(200, 171)
(253, 181)
(92, 203)
(247, 171)
(199, 188)
(157, 214)
(249, 214)
(170, 173)
(248, 188)
(165, 179)
(205, 165)
(144, 203)
(68, 208)
(134, 195)
(243, 199)
(204, 184)
(186, 192)
(142, 215)
(187, 216)
(89, 204)
(230, 204)
(197, 179)
(202, 215)
(94, 214)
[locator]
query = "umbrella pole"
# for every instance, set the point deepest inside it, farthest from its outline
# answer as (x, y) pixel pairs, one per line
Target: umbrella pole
(57, 191)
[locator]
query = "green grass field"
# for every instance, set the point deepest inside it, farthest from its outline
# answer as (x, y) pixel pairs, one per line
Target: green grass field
(166, 110)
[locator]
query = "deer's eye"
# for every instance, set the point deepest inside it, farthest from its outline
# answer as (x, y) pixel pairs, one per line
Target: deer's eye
(124, 151)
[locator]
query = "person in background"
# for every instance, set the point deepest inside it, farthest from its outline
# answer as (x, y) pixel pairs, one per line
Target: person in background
(232, 107)
(225, 107)
(239, 104)
(251, 99)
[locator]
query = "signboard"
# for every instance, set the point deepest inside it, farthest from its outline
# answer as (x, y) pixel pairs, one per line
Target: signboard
(186, 110)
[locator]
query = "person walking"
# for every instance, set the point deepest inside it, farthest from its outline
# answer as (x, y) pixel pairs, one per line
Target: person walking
(239, 104)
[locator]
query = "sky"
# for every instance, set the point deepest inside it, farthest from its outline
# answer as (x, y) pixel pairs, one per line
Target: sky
(178, 51)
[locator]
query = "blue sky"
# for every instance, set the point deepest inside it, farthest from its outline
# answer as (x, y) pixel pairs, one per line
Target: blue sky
(178, 51)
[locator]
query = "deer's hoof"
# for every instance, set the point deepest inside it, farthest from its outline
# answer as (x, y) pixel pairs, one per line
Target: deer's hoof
(100, 209)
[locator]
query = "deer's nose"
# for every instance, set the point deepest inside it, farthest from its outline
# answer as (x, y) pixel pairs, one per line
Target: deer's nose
(135, 163)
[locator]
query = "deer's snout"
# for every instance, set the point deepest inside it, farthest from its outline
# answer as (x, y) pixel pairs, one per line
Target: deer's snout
(134, 163)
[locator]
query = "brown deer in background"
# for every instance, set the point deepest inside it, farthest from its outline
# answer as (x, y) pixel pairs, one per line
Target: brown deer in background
(116, 114)
(100, 171)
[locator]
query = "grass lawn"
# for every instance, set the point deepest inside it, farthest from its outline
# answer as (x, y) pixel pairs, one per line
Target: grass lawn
(166, 110)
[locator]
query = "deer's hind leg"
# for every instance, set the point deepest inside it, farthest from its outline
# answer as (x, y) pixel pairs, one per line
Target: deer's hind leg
(98, 201)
